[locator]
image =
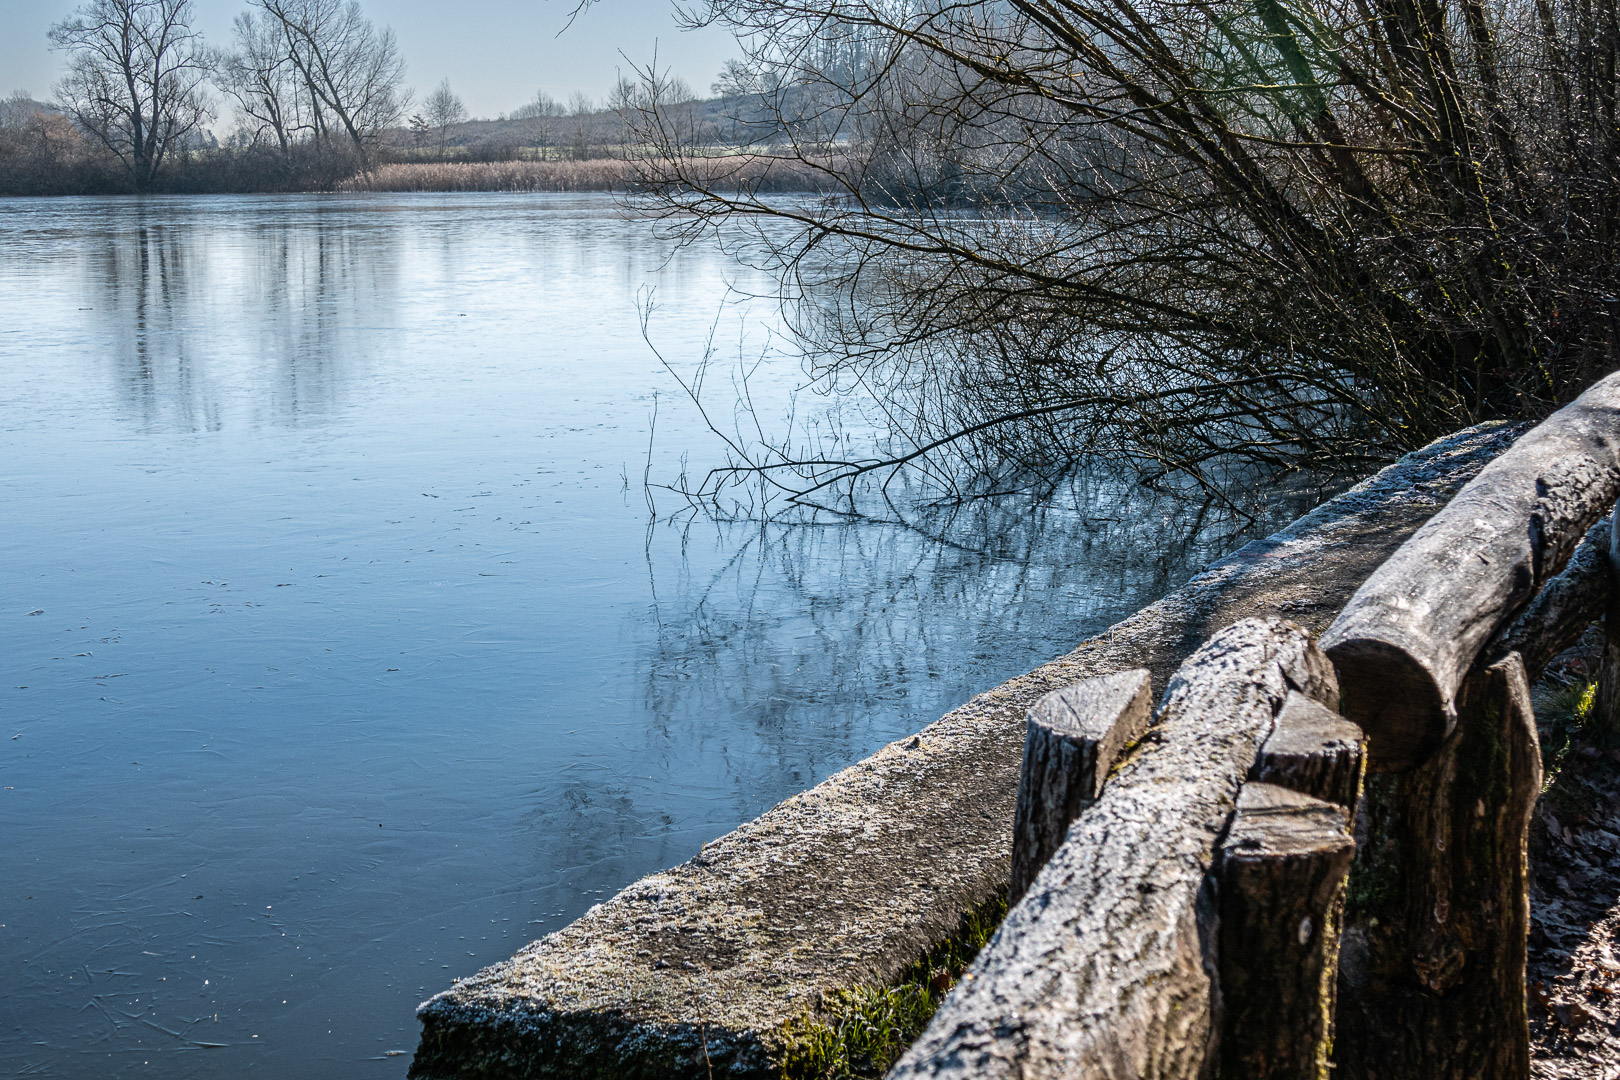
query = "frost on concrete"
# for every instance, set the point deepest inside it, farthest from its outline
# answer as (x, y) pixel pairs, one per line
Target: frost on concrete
(694, 971)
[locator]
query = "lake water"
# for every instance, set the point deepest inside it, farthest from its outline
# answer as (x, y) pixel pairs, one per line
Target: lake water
(340, 653)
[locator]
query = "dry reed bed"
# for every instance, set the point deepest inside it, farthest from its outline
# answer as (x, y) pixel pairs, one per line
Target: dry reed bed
(756, 172)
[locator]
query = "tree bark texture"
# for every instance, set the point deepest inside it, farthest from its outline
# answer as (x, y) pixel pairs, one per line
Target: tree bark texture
(1282, 874)
(1073, 737)
(1410, 634)
(1605, 718)
(1103, 971)
(1432, 962)
(1577, 597)
(1315, 751)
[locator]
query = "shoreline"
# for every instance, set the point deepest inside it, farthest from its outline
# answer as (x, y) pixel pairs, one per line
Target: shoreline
(713, 964)
(608, 175)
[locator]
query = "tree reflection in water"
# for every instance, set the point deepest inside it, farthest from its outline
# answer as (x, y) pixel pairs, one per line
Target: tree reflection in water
(814, 644)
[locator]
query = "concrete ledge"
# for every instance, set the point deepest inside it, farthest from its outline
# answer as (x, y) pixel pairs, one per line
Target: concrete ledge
(694, 971)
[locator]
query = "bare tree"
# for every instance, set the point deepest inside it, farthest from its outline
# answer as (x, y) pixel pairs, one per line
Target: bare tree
(134, 79)
(443, 109)
(351, 71)
(581, 111)
(653, 90)
(17, 110)
(625, 101)
(41, 149)
(672, 90)
(1204, 233)
(258, 74)
(540, 117)
(741, 88)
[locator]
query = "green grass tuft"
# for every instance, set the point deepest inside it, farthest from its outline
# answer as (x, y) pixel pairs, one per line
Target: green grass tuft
(1561, 713)
(861, 1032)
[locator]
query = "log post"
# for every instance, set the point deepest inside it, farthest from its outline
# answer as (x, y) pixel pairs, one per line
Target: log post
(1564, 607)
(1073, 737)
(1104, 969)
(1412, 632)
(1605, 718)
(1315, 751)
(1432, 962)
(1282, 874)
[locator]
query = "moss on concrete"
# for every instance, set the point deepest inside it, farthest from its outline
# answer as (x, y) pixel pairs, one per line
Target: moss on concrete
(861, 1031)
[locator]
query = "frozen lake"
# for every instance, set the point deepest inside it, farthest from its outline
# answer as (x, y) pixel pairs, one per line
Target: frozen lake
(339, 655)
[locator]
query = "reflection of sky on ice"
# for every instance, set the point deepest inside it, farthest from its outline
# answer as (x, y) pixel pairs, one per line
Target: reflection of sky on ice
(356, 665)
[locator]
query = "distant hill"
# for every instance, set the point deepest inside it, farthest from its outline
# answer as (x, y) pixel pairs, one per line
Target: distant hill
(571, 135)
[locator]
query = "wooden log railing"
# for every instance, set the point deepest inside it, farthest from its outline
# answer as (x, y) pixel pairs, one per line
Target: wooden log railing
(1410, 636)
(1282, 874)
(1252, 888)
(1104, 968)
(1433, 985)
(1607, 709)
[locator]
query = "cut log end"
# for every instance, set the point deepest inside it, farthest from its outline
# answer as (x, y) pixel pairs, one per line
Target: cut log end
(1314, 750)
(1111, 709)
(1392, 698)
(1073, 738)
(1274, 821)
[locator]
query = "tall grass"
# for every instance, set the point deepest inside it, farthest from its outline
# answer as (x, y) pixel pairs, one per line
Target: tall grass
(756, 172)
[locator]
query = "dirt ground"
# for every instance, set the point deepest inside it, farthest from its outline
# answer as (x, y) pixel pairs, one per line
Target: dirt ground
(1574, 973)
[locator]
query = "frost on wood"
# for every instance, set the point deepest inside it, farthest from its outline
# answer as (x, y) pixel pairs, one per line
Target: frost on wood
(1409, 636)
(1073, 737)
(1101, 970)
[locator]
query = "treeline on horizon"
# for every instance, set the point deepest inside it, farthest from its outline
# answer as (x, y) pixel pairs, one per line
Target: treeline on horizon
(44, 152)
(314, 96)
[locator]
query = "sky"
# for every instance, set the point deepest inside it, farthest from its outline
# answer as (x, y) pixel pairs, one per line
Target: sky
(496, 53)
